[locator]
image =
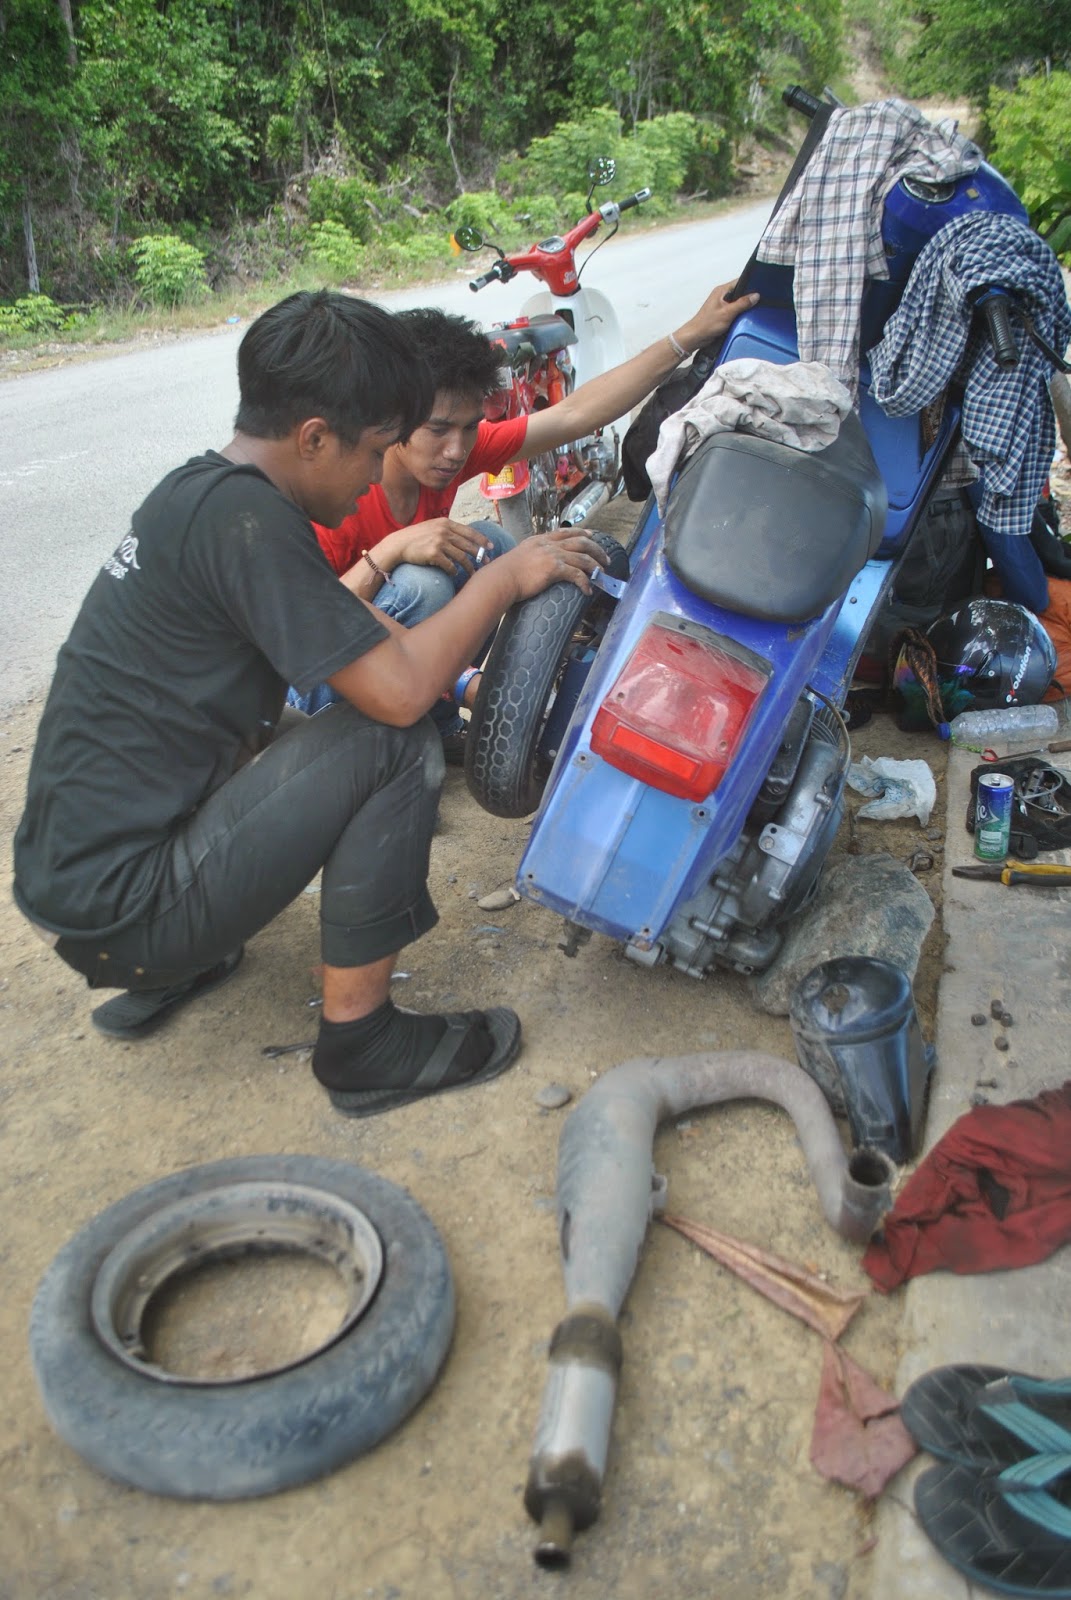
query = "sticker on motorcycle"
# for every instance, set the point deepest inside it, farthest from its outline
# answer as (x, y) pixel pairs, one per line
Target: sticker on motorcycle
(502, 485)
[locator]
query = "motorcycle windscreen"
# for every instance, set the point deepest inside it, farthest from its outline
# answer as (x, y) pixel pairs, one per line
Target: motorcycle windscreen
(769, 531)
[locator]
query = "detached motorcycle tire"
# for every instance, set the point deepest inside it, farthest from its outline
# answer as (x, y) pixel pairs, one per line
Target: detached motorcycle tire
(238, 1439)
(503, 767)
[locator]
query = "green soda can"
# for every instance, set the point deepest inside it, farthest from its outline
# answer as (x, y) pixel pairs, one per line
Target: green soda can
(992, 816)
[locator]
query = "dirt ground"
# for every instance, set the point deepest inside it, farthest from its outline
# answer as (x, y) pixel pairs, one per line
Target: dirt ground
(709, 1488)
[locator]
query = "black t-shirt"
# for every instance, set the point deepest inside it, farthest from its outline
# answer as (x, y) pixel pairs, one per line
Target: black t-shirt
(177, 665)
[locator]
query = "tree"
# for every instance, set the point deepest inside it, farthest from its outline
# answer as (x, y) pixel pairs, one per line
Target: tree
(966, 46)
(159, 80)
(37, 108)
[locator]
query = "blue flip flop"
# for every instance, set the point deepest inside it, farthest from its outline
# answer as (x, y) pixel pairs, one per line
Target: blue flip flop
(986, 1416)
(1010, 1530)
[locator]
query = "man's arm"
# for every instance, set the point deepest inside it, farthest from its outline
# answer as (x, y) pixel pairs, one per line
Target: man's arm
(399, 679)
(614, 393)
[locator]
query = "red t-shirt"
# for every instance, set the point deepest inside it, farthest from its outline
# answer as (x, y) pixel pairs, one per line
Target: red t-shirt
(496, 444)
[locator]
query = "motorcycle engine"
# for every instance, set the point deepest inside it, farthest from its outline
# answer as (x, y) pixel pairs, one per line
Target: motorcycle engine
(772, 871)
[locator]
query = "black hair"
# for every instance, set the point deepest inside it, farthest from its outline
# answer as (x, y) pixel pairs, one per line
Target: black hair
(324, 354)
(460, 356)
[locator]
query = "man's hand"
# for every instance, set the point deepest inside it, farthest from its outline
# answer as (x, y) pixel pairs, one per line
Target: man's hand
(546, 558)
(714, 317)
(439, 542)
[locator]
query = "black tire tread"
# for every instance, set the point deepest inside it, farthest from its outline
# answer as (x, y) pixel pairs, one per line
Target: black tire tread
(500, 751)
(236, 1441)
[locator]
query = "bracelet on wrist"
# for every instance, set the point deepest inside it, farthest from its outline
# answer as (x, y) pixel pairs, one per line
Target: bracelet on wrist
(464, 679)
(378, 570)
(675, 345)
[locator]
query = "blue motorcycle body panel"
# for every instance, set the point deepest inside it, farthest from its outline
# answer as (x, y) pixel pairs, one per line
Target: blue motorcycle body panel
(617, 856)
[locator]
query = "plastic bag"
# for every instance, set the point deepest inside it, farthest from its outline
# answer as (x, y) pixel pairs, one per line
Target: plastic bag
(898, 788)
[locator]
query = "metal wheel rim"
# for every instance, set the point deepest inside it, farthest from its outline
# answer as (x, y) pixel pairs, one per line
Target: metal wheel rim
(241, 1219)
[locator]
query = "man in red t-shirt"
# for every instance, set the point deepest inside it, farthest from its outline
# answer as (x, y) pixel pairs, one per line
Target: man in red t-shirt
(400, 549)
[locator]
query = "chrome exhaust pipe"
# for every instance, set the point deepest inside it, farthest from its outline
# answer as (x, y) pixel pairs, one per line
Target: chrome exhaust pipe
(607, 1192)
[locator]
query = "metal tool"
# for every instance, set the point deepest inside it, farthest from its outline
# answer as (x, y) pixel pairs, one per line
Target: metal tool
(1044, 875)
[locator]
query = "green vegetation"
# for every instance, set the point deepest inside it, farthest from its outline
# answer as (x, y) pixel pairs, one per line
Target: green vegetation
(1032, 146)
(1011, 60)
(157, 156)
(157, 152)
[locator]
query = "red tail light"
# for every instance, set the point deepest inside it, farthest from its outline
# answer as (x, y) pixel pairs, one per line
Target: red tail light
(677, 713)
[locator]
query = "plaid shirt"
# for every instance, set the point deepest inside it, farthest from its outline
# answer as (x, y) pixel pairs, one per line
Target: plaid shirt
(1008, 427)
(829, 225)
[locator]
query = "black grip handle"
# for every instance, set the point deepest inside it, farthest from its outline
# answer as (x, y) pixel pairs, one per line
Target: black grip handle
(483, 280)
(636, 199)
(1001, 335)
(798, 99)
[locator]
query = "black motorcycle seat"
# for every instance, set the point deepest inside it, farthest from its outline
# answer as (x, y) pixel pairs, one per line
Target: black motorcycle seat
(771, 531)
(543, 333)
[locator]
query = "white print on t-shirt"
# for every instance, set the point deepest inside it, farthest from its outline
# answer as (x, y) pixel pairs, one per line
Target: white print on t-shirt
(124, 558)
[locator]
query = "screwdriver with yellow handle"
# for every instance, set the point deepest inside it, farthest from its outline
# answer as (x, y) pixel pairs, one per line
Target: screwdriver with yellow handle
(1043, 875)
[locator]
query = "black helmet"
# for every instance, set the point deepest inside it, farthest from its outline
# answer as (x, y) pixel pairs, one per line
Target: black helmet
(989, 654)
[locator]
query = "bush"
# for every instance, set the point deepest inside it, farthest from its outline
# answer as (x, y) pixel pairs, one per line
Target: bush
(345, 201)
(536, 215)
(482, 208)
(559, 162)
(1031, 128)
(34, 313)
(658, 155)
(167, 271)
(333, 247)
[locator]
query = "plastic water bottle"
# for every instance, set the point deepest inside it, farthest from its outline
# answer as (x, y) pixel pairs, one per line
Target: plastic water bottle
(1011, 721)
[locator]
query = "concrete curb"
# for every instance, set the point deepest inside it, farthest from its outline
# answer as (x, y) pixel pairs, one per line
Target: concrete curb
(1015, 944)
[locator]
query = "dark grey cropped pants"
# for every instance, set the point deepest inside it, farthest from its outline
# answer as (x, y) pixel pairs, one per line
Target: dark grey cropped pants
(336, 791)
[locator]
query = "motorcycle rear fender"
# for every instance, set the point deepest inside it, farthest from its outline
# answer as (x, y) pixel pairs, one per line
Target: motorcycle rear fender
(504, 484)
(607, 850)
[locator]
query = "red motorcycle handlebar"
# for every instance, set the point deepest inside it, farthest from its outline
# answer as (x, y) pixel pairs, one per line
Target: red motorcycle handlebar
(553, 260)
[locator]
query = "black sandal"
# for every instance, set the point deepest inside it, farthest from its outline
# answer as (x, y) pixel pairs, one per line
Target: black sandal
(139, 1012)
(440, 1073)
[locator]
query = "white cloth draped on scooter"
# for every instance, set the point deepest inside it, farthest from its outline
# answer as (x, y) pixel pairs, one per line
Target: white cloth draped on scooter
(829, 226)
(801, 404)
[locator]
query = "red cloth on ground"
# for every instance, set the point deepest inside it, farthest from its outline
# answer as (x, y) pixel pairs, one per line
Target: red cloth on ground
(995, 1192)
(496, 444)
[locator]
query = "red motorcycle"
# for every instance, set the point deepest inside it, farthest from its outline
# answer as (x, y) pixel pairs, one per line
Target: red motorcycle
(564, 335)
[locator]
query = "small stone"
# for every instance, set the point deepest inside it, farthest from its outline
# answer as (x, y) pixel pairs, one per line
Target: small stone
(979, 1019)
(988, 1083)
(979, 1099)
(1001, 1043)
(1011, 1063)
(499, 899)
(553, 1095)
(995, 1009)
(1006, 1019)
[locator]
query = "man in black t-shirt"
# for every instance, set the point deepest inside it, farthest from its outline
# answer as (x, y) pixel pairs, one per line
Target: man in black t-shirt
(152, 845)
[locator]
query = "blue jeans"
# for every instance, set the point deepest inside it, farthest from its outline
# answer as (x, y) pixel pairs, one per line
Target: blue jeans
(411, 595)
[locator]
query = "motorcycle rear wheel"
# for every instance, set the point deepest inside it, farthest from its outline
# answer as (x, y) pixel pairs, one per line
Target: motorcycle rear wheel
(504, 767)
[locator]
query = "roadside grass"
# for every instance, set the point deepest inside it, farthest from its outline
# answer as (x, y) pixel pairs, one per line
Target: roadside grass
(234, 300)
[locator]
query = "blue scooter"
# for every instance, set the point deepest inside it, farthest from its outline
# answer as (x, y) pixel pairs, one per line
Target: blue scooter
(682, 733)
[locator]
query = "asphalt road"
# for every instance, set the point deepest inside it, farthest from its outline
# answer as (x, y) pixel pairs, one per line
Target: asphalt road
(81, 445)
